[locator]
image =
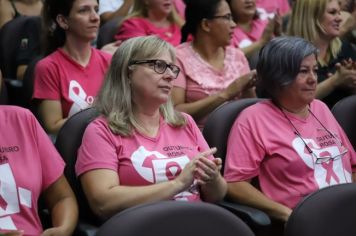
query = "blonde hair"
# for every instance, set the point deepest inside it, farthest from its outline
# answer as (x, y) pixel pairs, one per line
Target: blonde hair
(305, 23)
(114, 100)
(139, 9)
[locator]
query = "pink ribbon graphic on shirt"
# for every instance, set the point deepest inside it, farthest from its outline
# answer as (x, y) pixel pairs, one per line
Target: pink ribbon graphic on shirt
(3, 203)
(330, 173)
(172, 170)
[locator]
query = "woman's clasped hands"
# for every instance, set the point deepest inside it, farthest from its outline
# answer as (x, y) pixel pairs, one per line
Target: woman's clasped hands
(201, 169)
(240, 87)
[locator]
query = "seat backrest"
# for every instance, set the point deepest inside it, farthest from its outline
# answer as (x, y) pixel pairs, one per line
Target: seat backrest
(328, 212)
(67, 143)
(14, 35)
(3, 93)
(175, 218)
(345, 113)
(28, 83)
(107, 32)
(218, 124)
(253, 60)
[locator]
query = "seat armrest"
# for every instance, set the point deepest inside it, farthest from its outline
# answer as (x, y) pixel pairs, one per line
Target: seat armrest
(14, 89)
(250, 215)
(85, 229)
(15, 83)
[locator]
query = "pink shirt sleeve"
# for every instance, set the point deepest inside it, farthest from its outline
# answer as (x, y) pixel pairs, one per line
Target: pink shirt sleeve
(97, 150)
(201, 142)
(46, 81)
(244, 153)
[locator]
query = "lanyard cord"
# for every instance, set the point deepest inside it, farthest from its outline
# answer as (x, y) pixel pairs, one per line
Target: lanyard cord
(296, 131)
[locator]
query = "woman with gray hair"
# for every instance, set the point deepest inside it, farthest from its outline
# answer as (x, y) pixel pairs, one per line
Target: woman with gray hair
(291, 142)
(140, 149)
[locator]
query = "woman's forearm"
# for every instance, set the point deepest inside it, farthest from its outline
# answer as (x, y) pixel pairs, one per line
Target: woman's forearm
(326, 87)
(247, 194)
(214, 191)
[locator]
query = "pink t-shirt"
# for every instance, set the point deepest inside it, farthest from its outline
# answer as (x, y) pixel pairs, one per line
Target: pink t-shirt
(59, 77)
(29, 164)
(138, 26)
(140, 160)
(200, 79)
(268, 8)
(262, 142)
(243, 39)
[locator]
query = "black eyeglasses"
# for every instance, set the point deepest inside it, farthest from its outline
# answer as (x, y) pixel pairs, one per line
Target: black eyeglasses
(227, 17)
(324, 159)
(320, 160)
(159, 66)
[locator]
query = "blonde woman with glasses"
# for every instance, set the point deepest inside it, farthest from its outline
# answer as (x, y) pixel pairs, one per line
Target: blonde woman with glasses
(140, 149)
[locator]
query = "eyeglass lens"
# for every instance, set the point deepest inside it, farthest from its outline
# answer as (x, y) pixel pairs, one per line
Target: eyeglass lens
(161, 67)
(225, 17)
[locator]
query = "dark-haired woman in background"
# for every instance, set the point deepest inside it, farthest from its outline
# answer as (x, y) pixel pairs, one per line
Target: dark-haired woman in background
(67, 80)
(212, 72)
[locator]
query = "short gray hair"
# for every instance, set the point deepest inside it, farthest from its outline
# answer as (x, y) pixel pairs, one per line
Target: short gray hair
(114, 100)
(279, 62)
